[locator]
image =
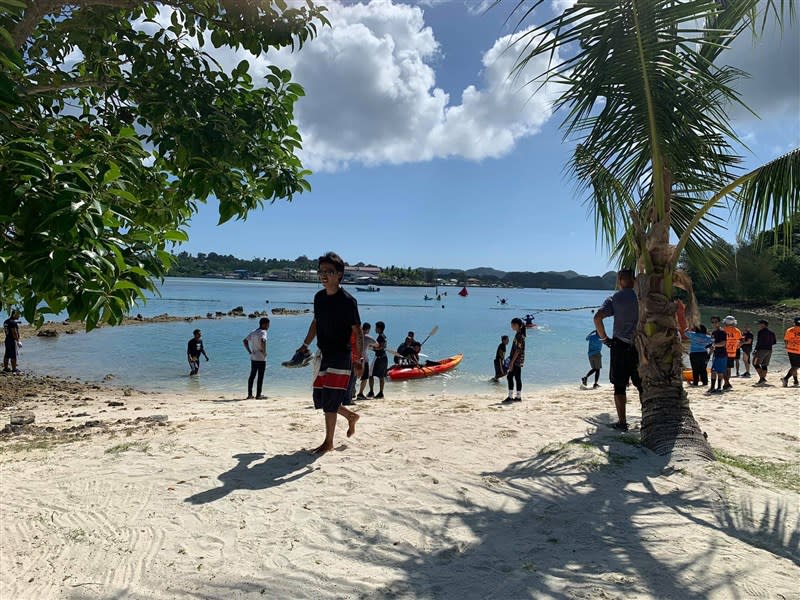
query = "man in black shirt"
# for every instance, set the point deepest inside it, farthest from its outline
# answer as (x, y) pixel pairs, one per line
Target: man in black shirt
(747, 349)
(719, 363)
(193, 351)
(499, 359)
(765, 340)
(336, 319)
(381, 364)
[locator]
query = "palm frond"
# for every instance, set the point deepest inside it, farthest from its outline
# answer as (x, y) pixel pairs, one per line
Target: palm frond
(769, 197)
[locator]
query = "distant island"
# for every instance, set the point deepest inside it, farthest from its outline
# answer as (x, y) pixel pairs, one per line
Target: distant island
(302, 268)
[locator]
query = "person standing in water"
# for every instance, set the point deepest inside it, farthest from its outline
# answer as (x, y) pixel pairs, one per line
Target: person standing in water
(256, 345)
(12, 343)
(516, 362)
(335, 319)
(500, 358)
(193, 351)
(595, 359)
(624, 307)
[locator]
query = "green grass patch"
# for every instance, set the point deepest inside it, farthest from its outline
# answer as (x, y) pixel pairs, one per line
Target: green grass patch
(127, 446)
(781, 474)
(791, 302)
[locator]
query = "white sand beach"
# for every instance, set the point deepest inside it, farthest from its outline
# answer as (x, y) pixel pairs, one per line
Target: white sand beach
(434, 497)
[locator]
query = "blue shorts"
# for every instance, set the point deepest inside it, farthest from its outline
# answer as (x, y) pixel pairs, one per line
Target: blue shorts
(720, 365)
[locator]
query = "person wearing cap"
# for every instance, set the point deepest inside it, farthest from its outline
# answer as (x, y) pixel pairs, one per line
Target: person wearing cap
(732, 346)
(624, 307)
(792, 340)
(765, 340)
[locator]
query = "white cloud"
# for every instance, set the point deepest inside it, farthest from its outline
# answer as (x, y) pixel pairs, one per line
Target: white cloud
(559, 6)
(372, 95)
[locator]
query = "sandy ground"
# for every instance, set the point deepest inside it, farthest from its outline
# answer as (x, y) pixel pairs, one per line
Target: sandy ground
(434, 497)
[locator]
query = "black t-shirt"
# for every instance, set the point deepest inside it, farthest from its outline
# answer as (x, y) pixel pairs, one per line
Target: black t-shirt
(719, 336)
(765, 340)
(9, 326)
(335, 316)
(381, 341)
(195, 348)
(501, 352)
(747, 340)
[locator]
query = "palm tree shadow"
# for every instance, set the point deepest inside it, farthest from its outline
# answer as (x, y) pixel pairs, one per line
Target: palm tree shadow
(597, 512)
(274, 471)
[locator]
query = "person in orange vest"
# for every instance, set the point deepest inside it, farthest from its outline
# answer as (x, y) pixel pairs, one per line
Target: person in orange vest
(733, 343)
(792, 340)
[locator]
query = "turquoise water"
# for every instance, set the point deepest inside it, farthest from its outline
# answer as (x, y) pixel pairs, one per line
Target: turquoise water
(152, 357)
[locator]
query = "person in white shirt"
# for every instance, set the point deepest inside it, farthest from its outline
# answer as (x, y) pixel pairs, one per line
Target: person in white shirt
(256, 345)
(369, 342)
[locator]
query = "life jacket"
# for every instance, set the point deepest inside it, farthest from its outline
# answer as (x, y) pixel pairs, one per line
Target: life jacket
(792, 339)
(732, 343)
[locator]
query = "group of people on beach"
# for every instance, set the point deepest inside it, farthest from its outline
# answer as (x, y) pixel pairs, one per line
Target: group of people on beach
(727, 347)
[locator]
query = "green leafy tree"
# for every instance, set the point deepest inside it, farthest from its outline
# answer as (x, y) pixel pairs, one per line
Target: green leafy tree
(115, 123)
(647, 98)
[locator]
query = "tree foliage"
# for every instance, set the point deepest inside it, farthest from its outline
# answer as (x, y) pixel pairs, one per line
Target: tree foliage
(115, 122)
(763, 269)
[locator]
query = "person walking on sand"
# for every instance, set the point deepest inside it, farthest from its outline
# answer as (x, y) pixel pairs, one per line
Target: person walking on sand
(624, 307)
(335, 319)
(369, 343)
(747, 349)
(516, 362)
(381, 363)
(719, 362)
(792, 340)
(595, 359)
(193, 351)
(12, 343)
(698, 354)
(765, 340)
(256, 345)
(499, 359)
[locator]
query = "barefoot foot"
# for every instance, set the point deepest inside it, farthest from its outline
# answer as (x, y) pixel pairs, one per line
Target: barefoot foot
(351, 430)
(325, 447)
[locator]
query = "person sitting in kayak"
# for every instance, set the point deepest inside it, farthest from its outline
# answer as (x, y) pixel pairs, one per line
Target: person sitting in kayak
(412, 359)
(404, 349)
(529, 321)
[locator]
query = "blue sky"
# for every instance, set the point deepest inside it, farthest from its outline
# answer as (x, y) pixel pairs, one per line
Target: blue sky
(424, 154)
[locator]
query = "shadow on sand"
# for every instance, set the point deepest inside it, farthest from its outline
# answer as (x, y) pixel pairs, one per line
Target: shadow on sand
(275, 471)
(594, 517)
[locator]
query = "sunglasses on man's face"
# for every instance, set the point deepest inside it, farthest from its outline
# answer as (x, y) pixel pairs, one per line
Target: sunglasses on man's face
(326, 272)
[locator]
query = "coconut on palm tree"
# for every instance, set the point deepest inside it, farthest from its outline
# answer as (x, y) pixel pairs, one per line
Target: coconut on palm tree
(648, 97)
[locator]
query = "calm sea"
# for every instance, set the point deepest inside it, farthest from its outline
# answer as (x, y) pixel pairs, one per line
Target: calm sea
(153, 357)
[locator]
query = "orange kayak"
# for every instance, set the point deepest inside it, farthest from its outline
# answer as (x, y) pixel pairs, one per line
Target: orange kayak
(446, 364)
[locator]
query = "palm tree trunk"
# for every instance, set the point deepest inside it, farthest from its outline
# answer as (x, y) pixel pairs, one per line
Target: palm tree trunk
(668, 426)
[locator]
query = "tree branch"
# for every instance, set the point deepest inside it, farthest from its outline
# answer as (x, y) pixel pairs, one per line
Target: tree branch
(39, 9)
(67, 85)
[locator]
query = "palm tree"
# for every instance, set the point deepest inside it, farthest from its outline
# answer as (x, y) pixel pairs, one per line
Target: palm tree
(648, 102)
